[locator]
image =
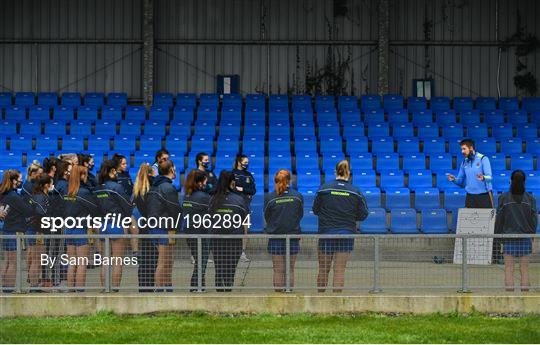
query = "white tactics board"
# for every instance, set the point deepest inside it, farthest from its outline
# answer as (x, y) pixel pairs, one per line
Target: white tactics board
(475, 221)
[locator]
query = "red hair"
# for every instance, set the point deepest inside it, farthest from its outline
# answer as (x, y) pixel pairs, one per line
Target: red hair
(282, 181)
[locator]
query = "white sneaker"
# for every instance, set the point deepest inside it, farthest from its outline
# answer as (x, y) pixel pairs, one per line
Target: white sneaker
(244, 257)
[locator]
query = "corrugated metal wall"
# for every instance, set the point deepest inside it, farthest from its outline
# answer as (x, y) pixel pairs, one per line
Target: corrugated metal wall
(180, 67)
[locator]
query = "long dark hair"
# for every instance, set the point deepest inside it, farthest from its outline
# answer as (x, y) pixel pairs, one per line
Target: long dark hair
(193, 179)
(104, 171)
(61, 168)
(224, 183)
(517, 185)
(40, 182)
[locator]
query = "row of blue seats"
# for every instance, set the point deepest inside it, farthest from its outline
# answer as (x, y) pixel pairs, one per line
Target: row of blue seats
(71, 99)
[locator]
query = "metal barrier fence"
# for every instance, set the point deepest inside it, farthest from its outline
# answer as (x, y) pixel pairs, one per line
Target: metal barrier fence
(163, 263)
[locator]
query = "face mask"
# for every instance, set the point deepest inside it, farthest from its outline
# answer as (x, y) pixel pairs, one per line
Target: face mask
(470, 156)
(51, 188)
(245, 166)
(206, 165)
(19, 184)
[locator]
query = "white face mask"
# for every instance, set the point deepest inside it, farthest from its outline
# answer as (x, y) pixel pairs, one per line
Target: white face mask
(51, 188)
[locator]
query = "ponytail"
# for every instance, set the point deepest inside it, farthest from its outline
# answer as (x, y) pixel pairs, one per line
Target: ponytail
(282, 181)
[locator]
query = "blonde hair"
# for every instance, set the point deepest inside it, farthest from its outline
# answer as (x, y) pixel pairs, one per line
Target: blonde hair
(343, 169)
(69, 157)
(32, 168)
(142, 182)
(282, 181)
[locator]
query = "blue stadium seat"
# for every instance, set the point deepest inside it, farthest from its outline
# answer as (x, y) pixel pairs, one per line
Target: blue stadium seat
(508, 103)
(135, 113)
(439, 104)
(352, 116)
(440, 163)
(308, 182)
(496, 160)
(373, 196)
(129, 128)
(364, 178)
(63, 113)
(326, 116)
(142, 157)
(442, 182)
(124, 143)
(55, 128)
(80, 128)
(535, 117)
(422, 117)
(518, 117)
(494, 117)
(370, 102)
(426, 198)
(452, 131)
(403, 221)
(434, 145)
(305, 145)
(392, 179)
(205, 129)
(37, 156)
(420, 179)
(462, 104)
(309, 223)
(408, 145)
(301, 102)
(501, 180)
(527, 131)
(357, 145)
(95, 99)
(392, 101)
(253, 144)
(47, 99)
(182, 113)
(479, 130)
(21, 143)
(387, 161)
(530, 104)
(106, 128)
(117, 99)
(9, 128)
(398, 116)
(375, 223)
(329, 131)
(30, 128)
(522, 161)
(502, 131)
(5, 99)
(434, 221)
(10, 160)
(278, 131)
(15, 113)
(532, 181)
(186, 100)
(159, 113)
(209, 100)
(179, 144)
(149, 143)
(72, 144)
(469, 118)
(227, 144)
(398, 198)
(353, 131)
(414, 161)
(416, 103)
(229, 130)
(378, 130)
(486, 103)
(39, 113)
(99, 142)
(25, 99)
(361, 161)
(255, 100)
(232, 115)
(325, 101)
(164, 100)
(330, 145)
(202, 143)
(486, 145)
(373, 117)
(347, 102)
(47, 144)
(87, 112)
(445, 117)
(206, 114)
(453, 146)
(71, 99)
(511, 145)
(111, 113)
(428, 131)
(533, 146)
(330, 159)
(404, 130)
(307, 161)
(305, 130)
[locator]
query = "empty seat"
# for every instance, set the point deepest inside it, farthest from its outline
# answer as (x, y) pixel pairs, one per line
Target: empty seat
(15, 113)
(181, 113)
(99, 143)
(414, 161)
(523, 162)
(452, 131)
(530, 104)
(179, 144)
(357, 145)
(479, 130)
(428, 131)
(330, 159)
(350, 116)
(159, 113)
(442, 183)
(106, 128)
(426, 198)
(9, 128)
(398, 116)
(364, 178)
(111, 113)
(205, 129)
(434, 221)
(229, 130)
(392, 179)
(96, 99)
(129, 128)
(375, 223)
(440, 162)
(518, 117)
(416, 103)
(445, 117)
(142, 157)
(21, 143)
(496, 160)
(37, 156)
(209, 100)
(87, 112)
(39, 113)
(72, 144)
(5, 99)
(508, 103)
(47, 144)
(434, 145)
(117, 99)
(80, 128)
(398, 198)
(164, 100)
(533, 146)
(439, 104)
(370, 102)
(469, 118)
(511, 146)
(47, 99)
(25, 99)
(55, 128)
(382, 145)
(329, 131)
(71, 99)
(154, 129)
(149, 143)
(330, 145)
(463, 104)
(347, 102)
(135, 113)
(486, 145)
(307, 161)
(502, 131)
(494, 117)
(404, 130)
(30, 128)
(374, 117)
(305, 145)
(308, 182)
(422, 117)
(420, 179)
(532, 181)
(301, 102)
(486, 103)
(353, 131)
(255, 100)
(403, 221)
(527, 131)
(501, 180)
(408, 145)
(124, 143)
(187, 100)
(387, 161)
(63, 113)
(361, 161)
(10, 160)
(392, 101)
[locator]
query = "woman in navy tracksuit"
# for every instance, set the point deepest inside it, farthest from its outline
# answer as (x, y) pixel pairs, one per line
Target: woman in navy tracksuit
(17, 212)
(35, 247)
(245, 186)
(196, 202)
(148, 251)
(112, 199)
(339, 206)
(163, 203)
(123, 178)
(227, 251)
(79, 202)
(283, 210)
